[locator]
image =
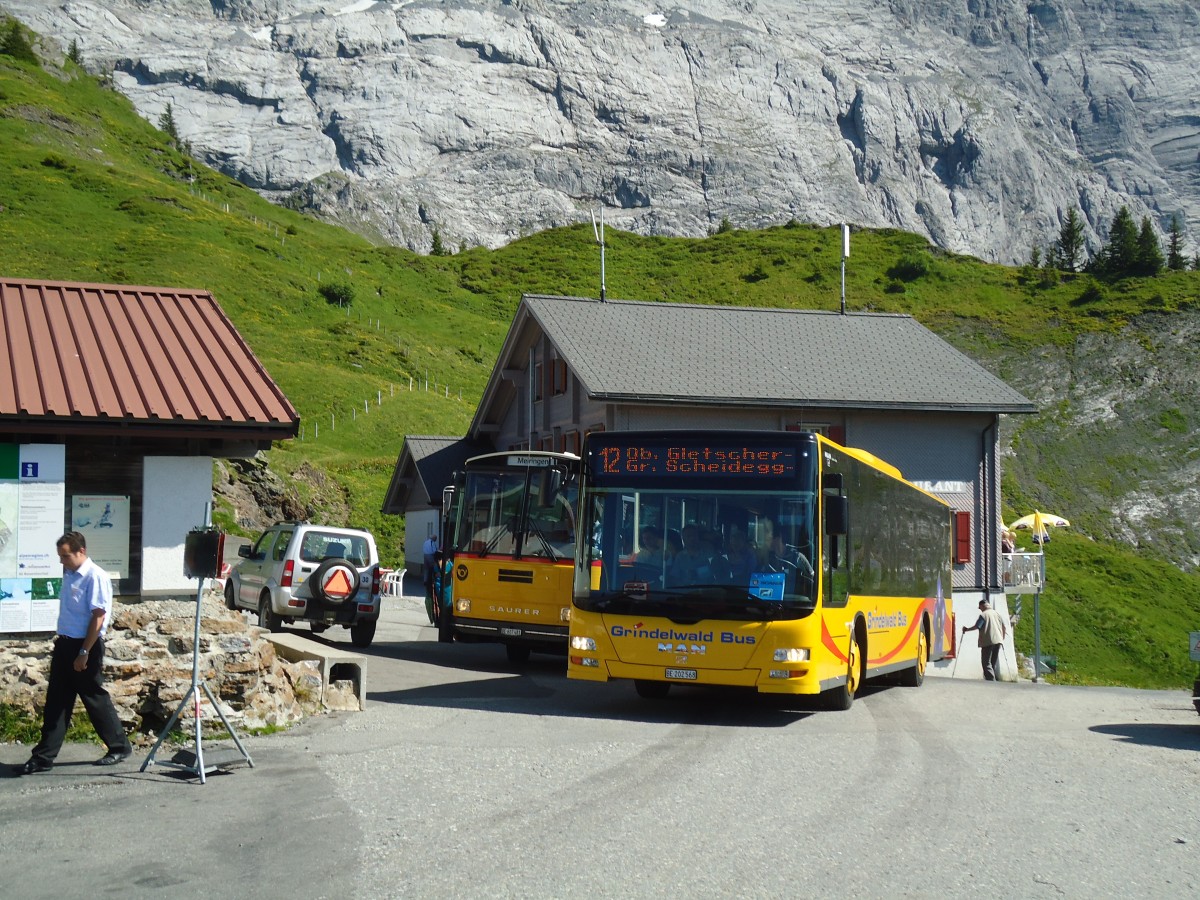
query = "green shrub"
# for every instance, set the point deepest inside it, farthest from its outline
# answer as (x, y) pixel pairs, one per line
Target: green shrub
(910, 267)
(56, 161)
(338, 293)
(1172, 420)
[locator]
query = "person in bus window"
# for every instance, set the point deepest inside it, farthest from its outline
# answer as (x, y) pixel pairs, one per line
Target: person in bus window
(685, 561)
(740, 557)
(650, 552)
(782, 557)
(712, 568)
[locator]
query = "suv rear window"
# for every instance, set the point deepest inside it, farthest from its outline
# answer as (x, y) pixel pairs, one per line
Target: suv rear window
(321, 545)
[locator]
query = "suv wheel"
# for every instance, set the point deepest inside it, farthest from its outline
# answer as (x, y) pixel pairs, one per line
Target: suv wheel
(230, 600)
(362, 633)
(266, 616)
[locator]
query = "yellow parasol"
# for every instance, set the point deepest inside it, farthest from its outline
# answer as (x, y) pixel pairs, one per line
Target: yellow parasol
(1039, 523)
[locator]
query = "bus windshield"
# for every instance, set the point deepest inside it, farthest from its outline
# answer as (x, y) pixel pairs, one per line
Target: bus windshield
(517, 512)
(700, 540)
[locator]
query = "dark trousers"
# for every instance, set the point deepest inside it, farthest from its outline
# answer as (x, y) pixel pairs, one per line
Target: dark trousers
(65, 685)
(991, 661)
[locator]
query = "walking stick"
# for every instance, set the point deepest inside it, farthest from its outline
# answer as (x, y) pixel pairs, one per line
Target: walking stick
(957, 652)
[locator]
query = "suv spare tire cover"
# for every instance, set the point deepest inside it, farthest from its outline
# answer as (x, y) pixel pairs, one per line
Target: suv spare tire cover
(333, 582)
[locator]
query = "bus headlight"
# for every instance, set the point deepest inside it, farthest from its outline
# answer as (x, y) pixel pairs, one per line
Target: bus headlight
(578, 642)
(791, 654)
(462, 605)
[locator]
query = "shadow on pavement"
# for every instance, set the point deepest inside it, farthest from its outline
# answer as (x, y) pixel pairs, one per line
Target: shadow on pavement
(1171, 736)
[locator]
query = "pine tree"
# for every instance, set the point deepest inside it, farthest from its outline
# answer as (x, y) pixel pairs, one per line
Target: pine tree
(1069, 247)
(1175, 260)
(73, 53)
(438, 249)
(14, 43)
(1119, 256)
(1149, 259)
(166, 123)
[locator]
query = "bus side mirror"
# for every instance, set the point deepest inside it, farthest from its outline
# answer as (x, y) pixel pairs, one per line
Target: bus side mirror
(832, 481)
(837, 514)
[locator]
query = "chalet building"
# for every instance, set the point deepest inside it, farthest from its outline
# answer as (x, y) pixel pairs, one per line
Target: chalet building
(114, 401)
(880, 382)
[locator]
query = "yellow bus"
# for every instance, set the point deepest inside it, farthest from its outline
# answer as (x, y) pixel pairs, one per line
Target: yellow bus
(779, 561)
(513, 551)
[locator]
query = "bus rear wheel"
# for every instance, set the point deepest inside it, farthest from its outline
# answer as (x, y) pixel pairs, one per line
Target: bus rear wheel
(651, 690)
(842, 697)
(915, 676)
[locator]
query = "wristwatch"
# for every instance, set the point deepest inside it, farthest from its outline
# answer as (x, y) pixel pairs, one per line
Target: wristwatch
(84, 651)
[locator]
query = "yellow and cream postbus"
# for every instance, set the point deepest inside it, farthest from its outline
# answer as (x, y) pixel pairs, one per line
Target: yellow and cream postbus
(513, 551)
(779, 561)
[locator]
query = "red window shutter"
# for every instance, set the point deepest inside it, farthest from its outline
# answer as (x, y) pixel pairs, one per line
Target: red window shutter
(837, 434)
(962, 537)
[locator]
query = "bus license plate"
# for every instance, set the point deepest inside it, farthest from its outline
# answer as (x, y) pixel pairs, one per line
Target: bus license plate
(510, 632)
(682, 674)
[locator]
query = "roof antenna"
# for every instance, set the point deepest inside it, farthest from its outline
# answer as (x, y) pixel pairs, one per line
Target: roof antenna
(845, 256)
(599, 233)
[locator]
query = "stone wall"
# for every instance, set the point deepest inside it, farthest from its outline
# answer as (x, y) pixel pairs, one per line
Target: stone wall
(148, 668)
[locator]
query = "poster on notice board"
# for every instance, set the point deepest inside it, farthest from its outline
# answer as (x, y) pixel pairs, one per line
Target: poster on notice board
(103, 520)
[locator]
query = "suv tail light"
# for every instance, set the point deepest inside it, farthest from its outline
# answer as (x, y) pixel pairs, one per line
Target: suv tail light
(375, 580)
(288, 567)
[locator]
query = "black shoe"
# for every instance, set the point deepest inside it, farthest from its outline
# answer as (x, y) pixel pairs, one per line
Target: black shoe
(113, 757)
(34, 765)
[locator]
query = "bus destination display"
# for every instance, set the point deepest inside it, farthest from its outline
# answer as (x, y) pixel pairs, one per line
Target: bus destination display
(667, 459)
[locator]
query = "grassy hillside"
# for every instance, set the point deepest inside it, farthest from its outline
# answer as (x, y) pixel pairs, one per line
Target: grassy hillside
(94, 193)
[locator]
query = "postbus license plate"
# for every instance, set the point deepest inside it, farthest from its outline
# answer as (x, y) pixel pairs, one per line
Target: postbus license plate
(682, 674)
(510, 632)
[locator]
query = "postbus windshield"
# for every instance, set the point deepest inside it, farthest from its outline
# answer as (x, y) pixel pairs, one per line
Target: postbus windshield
(520, 506)
(683, 525)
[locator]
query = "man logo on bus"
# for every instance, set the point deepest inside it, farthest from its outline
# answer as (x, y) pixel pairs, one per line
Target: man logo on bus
(668, 647)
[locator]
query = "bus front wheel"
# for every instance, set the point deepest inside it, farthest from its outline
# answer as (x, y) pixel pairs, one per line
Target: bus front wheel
(517, 655)
(651, 690)
(445, 627)
(842, 697)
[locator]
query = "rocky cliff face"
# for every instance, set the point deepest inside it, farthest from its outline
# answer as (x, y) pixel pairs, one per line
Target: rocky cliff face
(978, 124)
(1113, 445)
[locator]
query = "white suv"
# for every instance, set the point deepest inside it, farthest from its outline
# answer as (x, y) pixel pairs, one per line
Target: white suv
(314, 573)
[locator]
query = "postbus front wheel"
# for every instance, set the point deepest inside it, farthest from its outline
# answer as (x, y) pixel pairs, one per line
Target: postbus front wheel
(517, 654)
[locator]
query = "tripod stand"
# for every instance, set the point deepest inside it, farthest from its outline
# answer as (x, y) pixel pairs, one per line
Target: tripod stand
(184, 760)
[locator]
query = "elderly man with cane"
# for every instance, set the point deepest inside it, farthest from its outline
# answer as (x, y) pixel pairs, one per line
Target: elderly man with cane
(992, 632)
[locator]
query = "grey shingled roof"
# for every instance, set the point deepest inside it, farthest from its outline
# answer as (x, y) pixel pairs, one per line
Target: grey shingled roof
(431, 461)
(629, 350)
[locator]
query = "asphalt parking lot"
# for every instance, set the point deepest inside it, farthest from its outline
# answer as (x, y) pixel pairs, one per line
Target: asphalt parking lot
(465, 777)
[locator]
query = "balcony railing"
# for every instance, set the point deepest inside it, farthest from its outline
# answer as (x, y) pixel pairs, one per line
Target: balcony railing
(1024, 573)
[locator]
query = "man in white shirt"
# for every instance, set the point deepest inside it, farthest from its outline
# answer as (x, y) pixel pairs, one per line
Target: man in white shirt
(84, 606)
(992, 632)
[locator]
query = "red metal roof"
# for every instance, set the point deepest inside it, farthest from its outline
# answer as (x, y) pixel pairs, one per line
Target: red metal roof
(135, 358)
